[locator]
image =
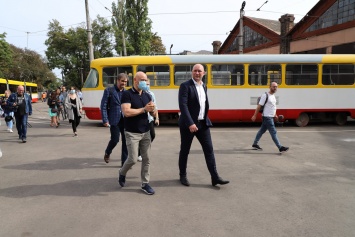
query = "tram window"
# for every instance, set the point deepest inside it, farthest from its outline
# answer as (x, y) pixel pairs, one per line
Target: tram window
(92, 79)
(338, 74)
(301, 74)
(225, 74)
(184, 73)
(264, 74)
(158, 75)
(110, 74)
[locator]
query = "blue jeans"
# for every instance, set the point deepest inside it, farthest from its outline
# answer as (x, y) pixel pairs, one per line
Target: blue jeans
(115, 138)
(10, 123)
(21, 125)
(268, 124)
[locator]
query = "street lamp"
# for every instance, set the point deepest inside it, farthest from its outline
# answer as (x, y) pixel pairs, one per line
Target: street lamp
(171, 47)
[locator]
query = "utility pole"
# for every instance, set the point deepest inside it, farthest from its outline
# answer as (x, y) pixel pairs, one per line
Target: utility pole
(27, 39)
(123, 36)
(241, 30)
(82, 77)
(91, 49)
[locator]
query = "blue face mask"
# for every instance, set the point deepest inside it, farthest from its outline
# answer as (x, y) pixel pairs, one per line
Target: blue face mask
(72, 91)
(142, 85)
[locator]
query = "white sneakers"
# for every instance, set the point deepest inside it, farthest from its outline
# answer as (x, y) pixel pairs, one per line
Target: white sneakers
(9, 130)
(139, 158)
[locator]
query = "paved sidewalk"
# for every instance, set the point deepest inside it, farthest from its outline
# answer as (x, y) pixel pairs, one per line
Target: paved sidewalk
(58, 185)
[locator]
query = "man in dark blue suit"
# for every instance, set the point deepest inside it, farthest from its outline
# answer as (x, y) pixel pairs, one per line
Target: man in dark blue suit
(194, 121)
(112, 116)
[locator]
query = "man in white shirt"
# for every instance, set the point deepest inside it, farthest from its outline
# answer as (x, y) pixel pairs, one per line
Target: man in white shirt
(268, 116)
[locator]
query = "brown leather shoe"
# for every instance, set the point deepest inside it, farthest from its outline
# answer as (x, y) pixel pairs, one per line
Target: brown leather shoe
(107, 158)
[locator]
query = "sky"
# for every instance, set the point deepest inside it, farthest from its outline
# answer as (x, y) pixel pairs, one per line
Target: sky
(187, 24)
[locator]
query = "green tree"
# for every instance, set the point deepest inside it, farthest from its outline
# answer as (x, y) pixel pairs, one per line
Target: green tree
(30, 66)
(5, 56)
(156, 45)
(68, 50)
(102, 36)
(139, 27)
(119, 25)
(131, 18)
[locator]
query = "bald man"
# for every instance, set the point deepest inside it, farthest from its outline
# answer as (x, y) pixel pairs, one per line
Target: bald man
(22, 108)
(194, 121)
(136, 104)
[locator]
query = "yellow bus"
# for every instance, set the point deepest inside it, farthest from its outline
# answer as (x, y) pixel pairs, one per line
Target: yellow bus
(311, 87)
(31, 87)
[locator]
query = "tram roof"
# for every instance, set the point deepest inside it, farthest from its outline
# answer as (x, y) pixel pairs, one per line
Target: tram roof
(245, 58)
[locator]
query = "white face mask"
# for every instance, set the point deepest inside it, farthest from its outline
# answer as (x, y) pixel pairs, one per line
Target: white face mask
(72, 91)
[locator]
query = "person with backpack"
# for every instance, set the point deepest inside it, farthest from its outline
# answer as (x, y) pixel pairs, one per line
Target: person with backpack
(267, 104)
(112, 116)
(21, 102)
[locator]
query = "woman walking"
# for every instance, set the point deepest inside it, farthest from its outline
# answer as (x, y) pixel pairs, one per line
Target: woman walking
(74, 109)
(8, 112)
(53, 109)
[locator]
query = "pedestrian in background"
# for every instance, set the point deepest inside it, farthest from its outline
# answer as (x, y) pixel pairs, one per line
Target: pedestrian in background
(74, 108)
(152, 118)
(22, 104)
(268, 116)
(53, 109)
(62, 97)
(8, 111)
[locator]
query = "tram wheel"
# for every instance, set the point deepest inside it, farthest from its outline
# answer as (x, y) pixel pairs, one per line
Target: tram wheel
(302, 120)
(341, 118)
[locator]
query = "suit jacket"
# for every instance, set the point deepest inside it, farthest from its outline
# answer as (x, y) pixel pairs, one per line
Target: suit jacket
(190, 106)
(112, 100)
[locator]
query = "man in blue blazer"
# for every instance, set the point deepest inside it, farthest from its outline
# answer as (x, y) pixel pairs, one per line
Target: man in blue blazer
(112, 116)
(22, 104)
(194, 121)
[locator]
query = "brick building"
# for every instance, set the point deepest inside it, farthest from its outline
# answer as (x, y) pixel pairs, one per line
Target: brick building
(328, 28)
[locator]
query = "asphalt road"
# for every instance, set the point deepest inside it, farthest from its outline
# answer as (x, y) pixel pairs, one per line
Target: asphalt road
(58, 185)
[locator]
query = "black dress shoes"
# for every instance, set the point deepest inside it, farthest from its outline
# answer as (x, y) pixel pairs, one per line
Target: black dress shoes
(219, 181)
(184, 181)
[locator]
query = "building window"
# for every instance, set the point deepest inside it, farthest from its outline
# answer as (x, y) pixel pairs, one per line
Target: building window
(92, 79)
(264, 74)
(226, 74)
(301, 74)
(184, 73)
(234, 46)
(158, 75)
(253, 38)
(338, 74)
(342, 11)
(110, 74)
